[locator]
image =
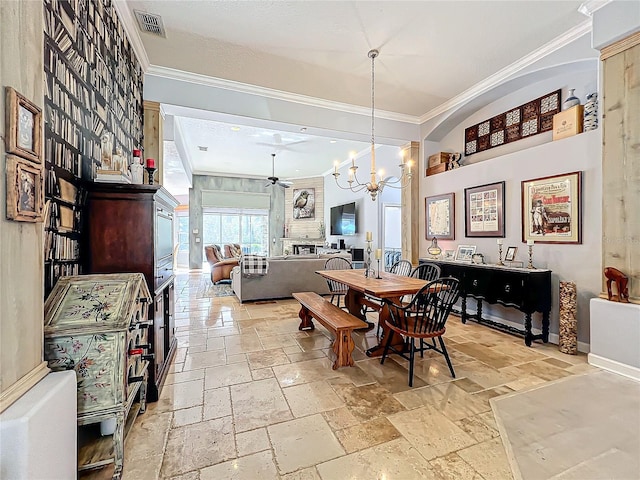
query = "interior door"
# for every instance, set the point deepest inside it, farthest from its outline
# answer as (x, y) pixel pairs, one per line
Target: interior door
(392, 233)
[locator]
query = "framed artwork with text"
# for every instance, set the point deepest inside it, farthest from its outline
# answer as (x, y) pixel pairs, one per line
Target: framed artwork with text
(484, 210)
(552, 209)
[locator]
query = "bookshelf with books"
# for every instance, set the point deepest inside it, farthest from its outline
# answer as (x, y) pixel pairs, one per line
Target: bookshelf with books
(93, 87)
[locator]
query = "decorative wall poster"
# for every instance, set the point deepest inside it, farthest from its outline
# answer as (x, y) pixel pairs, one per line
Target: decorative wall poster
(524, 121)
(304, 203)
(484, 210)
(551, 209)
(440, 217)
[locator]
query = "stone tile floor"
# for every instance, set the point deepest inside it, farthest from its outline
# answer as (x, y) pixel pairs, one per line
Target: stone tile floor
(251, 397)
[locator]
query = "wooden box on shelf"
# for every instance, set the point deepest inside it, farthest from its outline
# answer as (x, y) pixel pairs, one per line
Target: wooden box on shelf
(438, 159)
(129, 228)
(97, 325)
(568, 122)
(442, 167)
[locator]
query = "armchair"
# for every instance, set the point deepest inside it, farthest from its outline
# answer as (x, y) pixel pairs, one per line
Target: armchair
(232, 250)
(220, 267)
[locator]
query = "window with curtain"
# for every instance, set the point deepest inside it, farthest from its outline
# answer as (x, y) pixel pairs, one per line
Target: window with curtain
(248, 227)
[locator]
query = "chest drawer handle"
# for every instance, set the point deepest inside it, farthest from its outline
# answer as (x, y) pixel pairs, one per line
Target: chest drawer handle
(507, 288)
(475, 283)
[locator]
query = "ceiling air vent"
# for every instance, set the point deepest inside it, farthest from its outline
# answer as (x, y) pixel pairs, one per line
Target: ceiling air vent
(150, 23)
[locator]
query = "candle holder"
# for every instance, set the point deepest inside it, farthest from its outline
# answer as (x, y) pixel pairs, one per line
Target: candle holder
(500, 255)
(378, 275)
(150, 171)
(367, 264)
(530, 257)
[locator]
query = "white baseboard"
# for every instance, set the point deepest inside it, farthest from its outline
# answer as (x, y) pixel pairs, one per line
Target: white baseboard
(553, 337)
(613, 366)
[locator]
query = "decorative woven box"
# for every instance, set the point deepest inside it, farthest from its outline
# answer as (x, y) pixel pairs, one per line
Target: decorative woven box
(437, 159)
(568, 122)
(437, 169)
(97, 325)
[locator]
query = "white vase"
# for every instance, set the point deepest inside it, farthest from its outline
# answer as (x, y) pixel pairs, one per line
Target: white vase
(571, 100)
(137, 173)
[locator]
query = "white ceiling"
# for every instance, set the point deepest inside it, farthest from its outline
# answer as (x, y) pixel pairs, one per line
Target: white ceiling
(430, 52)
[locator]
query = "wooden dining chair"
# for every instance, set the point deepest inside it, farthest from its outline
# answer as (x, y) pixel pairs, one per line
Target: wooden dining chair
(426, 271)
(401, 267)
(423, 318)
(338, 290)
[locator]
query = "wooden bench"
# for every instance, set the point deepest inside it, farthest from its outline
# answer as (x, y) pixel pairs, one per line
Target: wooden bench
(334, 319)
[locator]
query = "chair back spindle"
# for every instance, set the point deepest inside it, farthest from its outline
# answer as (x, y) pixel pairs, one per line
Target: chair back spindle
(401, 267)
(337, 289)
(426, 271)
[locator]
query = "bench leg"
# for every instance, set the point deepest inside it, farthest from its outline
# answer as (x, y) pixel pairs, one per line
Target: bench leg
(343, 346)
(307, 322)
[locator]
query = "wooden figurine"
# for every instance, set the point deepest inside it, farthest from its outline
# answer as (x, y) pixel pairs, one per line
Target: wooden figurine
(621, 280)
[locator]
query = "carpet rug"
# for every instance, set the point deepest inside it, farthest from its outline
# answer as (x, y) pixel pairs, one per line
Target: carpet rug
(585, 427)
(219, 290)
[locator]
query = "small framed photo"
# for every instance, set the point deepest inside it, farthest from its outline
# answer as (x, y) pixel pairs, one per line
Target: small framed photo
(510, 256)
(23, 126)
(25, 191)
(440, 217)
(464, 253)
(449, 254)
(552, 209)
(484, 210)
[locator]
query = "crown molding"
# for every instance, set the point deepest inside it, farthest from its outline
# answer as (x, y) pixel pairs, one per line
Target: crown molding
(587, 8)
(131, 27)
(183, 76)
(499, 77)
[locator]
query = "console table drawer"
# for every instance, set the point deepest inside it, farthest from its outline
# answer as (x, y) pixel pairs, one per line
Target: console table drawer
(476, 284)
(509, 290)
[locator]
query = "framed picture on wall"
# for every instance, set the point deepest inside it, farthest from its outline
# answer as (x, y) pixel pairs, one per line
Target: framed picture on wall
(552, 209)
(25, 190)
(304, 203)
(23, 126)
(484, 210)
(440, 217)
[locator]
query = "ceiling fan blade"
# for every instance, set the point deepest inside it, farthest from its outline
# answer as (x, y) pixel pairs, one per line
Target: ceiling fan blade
(284, 185)
(294, 143)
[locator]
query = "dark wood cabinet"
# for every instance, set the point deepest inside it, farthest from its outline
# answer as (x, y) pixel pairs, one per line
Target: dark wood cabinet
(526, 290)
(129, 228)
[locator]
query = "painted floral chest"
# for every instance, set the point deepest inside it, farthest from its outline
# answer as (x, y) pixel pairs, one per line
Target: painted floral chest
(97, 326)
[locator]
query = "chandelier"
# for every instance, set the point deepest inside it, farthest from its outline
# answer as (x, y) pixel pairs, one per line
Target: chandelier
(376, 182)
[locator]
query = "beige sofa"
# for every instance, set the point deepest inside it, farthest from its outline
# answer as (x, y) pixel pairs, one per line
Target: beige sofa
(288, 274)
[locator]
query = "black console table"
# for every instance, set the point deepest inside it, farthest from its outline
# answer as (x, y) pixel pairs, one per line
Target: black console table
(527, 290)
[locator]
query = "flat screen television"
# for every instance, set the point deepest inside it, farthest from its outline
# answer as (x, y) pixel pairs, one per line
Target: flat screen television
(343, 219)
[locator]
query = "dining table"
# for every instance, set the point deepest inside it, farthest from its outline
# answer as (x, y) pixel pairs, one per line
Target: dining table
(362, 290)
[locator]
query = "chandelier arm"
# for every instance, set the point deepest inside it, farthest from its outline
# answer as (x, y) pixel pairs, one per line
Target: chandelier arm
(357, 188)
(355, 177)
(406, 181)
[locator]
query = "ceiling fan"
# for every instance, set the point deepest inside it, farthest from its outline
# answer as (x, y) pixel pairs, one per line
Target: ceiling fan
(278, 145)
(273, 179)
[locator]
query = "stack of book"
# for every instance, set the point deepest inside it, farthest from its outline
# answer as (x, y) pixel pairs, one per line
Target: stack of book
(111, 176)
